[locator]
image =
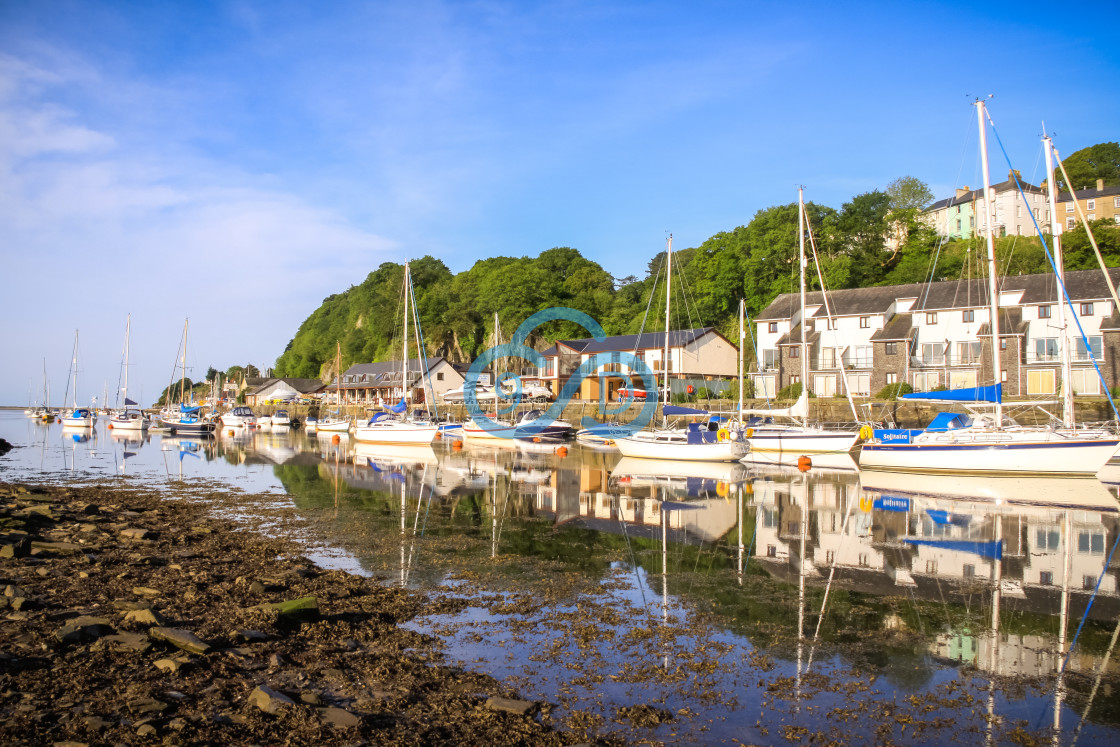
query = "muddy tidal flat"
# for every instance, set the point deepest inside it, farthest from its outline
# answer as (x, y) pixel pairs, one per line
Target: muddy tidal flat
(129, 618)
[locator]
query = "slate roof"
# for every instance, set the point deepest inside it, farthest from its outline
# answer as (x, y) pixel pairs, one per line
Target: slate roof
(1010, 323)
(898, 328)
(645, 341)
(973, 194)
(1083, 285)
(793, 337)
(1112, 323)
(303, 386)
(389, 367)
(1088, 194)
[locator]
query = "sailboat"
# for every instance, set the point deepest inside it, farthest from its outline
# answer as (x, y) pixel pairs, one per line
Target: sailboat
(335, 422)
(130, 418)
(697, 442)
(186, 419)
(983, 443)
(771, 440)
(79, 417)
(396, 427)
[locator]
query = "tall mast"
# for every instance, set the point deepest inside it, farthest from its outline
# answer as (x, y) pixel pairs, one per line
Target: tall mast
(183, 364)
(74, 364)
(338, 377)
(127, 331)
(802, 263)
(404, 363)
(668, 294)
(993, 291)
(1056, 237)
(497, 342)
(742, 344)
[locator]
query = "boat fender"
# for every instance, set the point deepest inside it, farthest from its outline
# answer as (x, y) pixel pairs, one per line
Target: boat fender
(866, 433)
(721, 489)
(804, 463)
(734, 435)
(750, 432)
(723, 436)
(866, 503)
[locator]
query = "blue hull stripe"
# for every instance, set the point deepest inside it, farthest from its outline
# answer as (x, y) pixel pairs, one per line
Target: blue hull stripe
(990, 446)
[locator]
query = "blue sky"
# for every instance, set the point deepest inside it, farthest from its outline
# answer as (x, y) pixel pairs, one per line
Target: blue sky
(236, 162)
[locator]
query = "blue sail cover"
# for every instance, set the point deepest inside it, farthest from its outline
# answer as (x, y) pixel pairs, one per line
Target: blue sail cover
(678, 410)
(992, 550)
(189, 410)
(992, 393)
(399, 407)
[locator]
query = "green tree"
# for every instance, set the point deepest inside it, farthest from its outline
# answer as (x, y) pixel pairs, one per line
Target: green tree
(908, 193)
(1100, 161)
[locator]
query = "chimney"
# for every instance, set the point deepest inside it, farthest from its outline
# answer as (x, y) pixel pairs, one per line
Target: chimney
(1013, 174)
(962, 191)
(1100, 184)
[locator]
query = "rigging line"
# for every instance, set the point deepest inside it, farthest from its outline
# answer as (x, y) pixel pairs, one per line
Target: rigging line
(422, 354)
(758, 366)
(1096, 683)
(828, 586)
(630, 551)
(1092, 598)
(965, 142)
(828, 310)
(1054, 266)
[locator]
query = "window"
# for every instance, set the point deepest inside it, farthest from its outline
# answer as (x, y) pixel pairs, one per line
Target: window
(773, 327)
(439, 376)
(968, 315)
(1047, 539)
(1003, 343)
(969, 570)
(931, 567)
(831, 323)
(892, 378)
(926, 381)
(1085, 381)
(1071, 223)
(1003, 376)
(1088, 582)
(830, 557)
(1069, 207)
(958, 225)
(771, 551)
(865, 356)
(931, 317)
(1043, 312)
(1116, 202)
(891, 348)
(1091, 205)
(795, 379)
(968, 353)
(1040, 382)
(1092, 216)
(770, 359)
(864, 322)
(795, 351)
(1081, 354)
(1045, 348)
(933, 353)
(1018, 211)
(863, 559)
(1046, 578)
(1086, 309)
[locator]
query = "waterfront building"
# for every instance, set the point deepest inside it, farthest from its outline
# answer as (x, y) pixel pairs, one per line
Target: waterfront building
(697, 357)
(1101, 203)
(287, 388)
(938, 335)
(963, 215)
(379, 383)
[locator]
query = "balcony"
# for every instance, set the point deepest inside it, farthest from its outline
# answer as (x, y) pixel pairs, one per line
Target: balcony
(944, 360)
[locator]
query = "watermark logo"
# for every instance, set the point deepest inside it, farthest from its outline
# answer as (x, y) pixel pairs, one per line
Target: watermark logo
(509, 391)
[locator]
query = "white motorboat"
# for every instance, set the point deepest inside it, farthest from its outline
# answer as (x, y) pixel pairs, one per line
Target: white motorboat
(129, 420)
(239, 417)
(280, 419)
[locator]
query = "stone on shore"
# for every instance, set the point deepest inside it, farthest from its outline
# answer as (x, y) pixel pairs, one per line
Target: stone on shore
(183, 639)
(302, 609)
(145, 616)
(339, 718)
(268, 700)
(83, 629)
(508, 705)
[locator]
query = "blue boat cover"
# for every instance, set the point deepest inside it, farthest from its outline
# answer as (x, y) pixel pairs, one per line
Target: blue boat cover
(399, 407)
(948, 421)
(189, 410)
(678, 410)
(993, 549)
(992, 393)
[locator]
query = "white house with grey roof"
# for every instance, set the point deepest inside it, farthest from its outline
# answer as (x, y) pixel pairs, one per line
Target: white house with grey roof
(935, 335)
(379, 383)
(700, 355)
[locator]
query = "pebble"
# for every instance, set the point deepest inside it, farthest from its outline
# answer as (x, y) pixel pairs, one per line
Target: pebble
(269, 700)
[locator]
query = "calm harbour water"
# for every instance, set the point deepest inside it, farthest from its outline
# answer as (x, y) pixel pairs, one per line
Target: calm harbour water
(929, 609)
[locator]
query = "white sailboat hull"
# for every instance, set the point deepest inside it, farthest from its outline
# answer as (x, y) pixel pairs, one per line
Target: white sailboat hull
(134, 422)
(72, 422)
(333, 426)
(992, 453)
(395, 433)
(664, 445)
(797, 441)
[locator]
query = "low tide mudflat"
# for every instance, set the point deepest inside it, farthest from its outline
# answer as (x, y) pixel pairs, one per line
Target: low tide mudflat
(504, 597)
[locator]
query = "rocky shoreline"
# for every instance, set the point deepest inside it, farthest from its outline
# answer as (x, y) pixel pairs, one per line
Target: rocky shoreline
(127, 618)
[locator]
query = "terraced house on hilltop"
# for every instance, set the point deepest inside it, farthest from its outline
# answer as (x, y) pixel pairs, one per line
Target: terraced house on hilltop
(939, 335)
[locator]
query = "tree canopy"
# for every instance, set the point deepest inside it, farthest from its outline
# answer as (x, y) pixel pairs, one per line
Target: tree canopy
(1100, 161)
